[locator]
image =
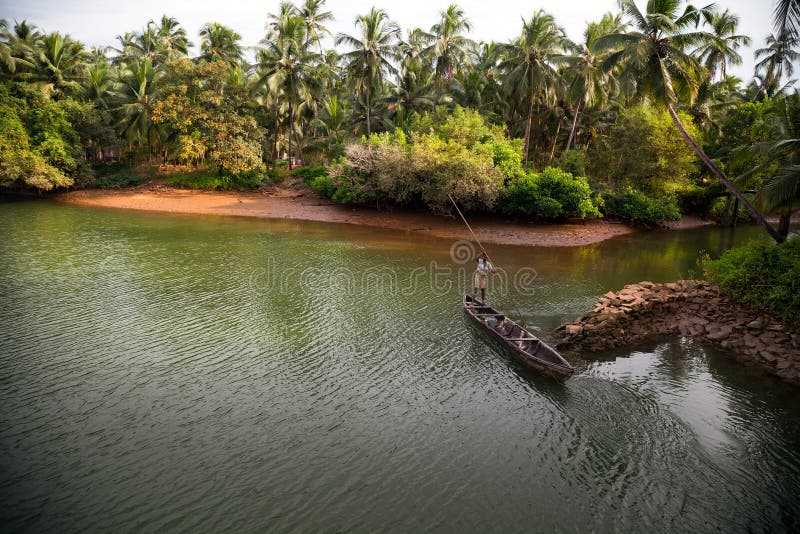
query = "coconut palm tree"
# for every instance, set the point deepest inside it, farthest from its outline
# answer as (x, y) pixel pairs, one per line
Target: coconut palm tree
(449, 46)
(171, 40)
(332, 123)
(314, 18)
(7, 58)
(21, 46)
(98, 84)
(370, 55)
(781, 192)
(287, 69)
(590, 84)
(134, 96)
(220, 43)
(530, 64)
(777, 58)
(720, 49)
(60, 61)
(786, 18)
(652, 59)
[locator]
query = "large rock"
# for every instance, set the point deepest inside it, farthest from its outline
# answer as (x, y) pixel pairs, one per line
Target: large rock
(691, 308)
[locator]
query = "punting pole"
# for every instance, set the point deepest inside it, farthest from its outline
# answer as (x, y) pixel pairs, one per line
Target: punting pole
(478, 241)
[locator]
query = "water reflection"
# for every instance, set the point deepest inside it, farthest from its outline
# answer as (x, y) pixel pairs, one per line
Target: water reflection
(147, 383)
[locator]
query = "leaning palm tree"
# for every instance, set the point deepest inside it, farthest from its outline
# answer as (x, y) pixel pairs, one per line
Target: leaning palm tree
(449, 46)
(370, 55)
(652, 59)
(530, 63)
(220, 43)
(720, 49)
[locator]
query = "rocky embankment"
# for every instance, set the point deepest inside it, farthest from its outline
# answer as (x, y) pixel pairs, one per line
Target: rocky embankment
(689, 308)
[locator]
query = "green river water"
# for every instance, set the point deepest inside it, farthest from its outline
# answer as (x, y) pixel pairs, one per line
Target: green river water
(207, 374)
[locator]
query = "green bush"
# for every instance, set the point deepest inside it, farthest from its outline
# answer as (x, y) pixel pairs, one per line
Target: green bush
(572, 161)
(39, 148)
(124, 177)
(640, 208)
(458, 155)
(552, 194)
(234, 182)
(761, 274)
(645, 151)
(310, 172)
(699, 200)
(279, 171)
(323, 185)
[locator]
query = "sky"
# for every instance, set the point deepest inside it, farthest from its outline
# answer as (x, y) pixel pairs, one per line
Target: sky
(98, 22)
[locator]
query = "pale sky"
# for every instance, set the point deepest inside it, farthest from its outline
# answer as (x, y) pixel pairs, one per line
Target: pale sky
(98, 22)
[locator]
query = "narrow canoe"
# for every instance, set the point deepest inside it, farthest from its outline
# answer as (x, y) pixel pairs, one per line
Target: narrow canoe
(523, 346)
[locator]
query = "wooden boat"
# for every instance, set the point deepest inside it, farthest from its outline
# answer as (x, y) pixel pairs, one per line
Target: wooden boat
(524, 346)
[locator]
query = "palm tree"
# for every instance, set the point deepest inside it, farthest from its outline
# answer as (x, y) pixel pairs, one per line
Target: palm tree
(287, 68)
(6, 52)
(781, 192)
(220, 43)
(21, 46)
(590, 84)
(652, 60)
(332, 123)
(314, 17)
(449, 47)
(171, 39)
(786, 18)
(778, 60)
(134, 97)
(530, 63)
(721, 47)
(98, 84)
(60, 60)
(371, 53)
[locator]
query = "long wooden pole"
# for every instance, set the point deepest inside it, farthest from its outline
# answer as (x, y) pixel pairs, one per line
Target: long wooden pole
(478, 241)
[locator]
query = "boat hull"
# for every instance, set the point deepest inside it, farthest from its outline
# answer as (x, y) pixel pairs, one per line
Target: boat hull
(533, 353)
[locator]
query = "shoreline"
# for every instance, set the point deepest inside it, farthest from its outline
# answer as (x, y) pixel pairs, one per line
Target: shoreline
(296, 204)
(691, 308)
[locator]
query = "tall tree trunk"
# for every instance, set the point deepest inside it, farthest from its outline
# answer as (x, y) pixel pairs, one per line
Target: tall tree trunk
(555, 140)
(735, 212)
(574, 125)
(369, 130)
(724, 179)
(527, 141)
(726, 218)
(783, 224)
(291, 123)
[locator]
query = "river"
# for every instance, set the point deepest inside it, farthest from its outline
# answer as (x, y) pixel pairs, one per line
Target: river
(182, 373)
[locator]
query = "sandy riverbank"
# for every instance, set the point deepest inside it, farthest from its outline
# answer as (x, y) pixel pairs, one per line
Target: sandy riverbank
(286, 203)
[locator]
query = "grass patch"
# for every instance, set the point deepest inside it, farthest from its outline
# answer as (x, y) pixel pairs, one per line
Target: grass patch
(760, 274)
(213, 181)
(116, 177)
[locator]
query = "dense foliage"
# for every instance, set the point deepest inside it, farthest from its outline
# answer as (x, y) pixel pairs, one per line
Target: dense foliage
(639, 112)
(763, 275)
(38, 146)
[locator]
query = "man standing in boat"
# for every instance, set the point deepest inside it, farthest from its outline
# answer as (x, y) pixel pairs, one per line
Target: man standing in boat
(481, 275)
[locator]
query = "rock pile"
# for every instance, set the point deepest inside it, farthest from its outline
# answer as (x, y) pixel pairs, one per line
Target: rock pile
(690, 308)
